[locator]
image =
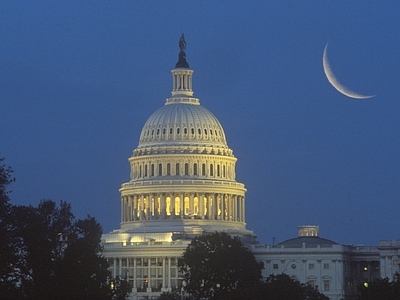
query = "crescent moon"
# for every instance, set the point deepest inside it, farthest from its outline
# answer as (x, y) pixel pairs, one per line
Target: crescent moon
(335, 83)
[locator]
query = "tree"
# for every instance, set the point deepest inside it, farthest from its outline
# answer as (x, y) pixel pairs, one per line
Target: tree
(217, 266)
(59, 256)
(379, 289)
(8, 257)
(277, 287)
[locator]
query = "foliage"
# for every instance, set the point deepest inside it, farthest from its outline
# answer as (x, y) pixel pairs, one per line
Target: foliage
(380, 289)
(217, 266)
(281, 286)
(8, 257)
(45, 253)
(173, 296)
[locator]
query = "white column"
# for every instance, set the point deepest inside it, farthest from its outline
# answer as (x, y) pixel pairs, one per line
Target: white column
(201, 205)
(134, 274)
(181, 213)
(135, 207)
(169, 273)
(163, 206)
(244, 209)
(191, 204)
(222, 206)
(115, 268)
(164, 273)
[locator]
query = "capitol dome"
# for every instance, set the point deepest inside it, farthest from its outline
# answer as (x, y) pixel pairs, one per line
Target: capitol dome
(182, 184)
(182, 123)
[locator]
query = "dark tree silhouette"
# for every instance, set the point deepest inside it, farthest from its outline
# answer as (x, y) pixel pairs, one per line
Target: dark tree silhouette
(380, 289)
(217, 266)
(45, 253)
(278, 287)
(8, 257)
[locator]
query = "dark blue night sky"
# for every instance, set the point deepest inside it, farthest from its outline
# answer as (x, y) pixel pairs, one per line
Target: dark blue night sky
(78, 80)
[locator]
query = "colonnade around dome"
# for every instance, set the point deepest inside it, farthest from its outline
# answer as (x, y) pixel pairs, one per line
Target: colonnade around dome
(184, 165)
(193, 205)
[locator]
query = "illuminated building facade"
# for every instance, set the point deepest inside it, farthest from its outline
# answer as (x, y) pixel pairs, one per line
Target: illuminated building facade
(182, 184)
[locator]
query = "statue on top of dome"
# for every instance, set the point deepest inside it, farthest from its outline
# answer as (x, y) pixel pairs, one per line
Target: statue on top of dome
(182, 43)
(182, 63)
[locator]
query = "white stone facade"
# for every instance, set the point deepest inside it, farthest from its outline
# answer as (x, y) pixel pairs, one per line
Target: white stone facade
(182, 184)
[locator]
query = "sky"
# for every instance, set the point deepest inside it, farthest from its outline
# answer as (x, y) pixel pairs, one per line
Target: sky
(78, 80)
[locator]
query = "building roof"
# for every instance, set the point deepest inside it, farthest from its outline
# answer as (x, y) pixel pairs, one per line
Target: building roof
(308, 240)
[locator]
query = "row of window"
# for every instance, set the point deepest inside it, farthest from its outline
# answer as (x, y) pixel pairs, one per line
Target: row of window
(310, 266)
(224, 171)
(200, 131)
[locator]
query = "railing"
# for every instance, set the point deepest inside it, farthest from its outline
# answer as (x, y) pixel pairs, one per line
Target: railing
(183, 182)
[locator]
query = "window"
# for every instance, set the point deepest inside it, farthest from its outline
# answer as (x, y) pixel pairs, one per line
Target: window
(211, 170)
(170, 131)
(199, 131)
(395, 262)
(311, 266)
(293, 266)
(203, 169)
(326, 266)
(168, 169)
(185, 130)
(177, 130)
(275, 266)
(218, 174)
(163, 131)
(186, 169)
(312, 282)
(152, 170)
(192, 129)
(195, 169)
(177, 169)
(326, 285)
(145, 171)
(158, 131)
(159, 169)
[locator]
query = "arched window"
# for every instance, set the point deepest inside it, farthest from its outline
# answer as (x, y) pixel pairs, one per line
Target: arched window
(192, 130)
(168, 169)
(140, 171)
(163, 131)
(203, 169)
(177, 130)
(223, 171)
(152, 170)
(177, 169)
(194, 169)
(185, 130)
(211, 170)
(159, 169)
(170, 130)
(145, 171)
(218, 172)
(199, 130)
(158, 131)
(186, 169)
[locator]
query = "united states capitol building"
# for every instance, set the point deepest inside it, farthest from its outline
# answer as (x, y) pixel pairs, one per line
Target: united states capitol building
(182, 184)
